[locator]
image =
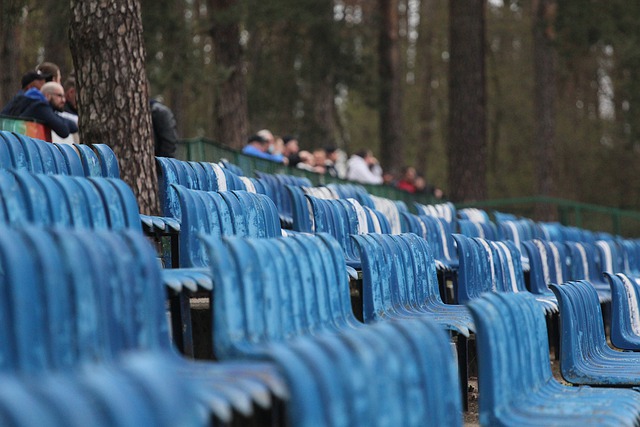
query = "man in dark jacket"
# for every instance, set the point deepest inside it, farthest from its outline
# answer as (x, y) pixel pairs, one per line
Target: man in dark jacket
(31, 79)
(41, 106)
(165, 134)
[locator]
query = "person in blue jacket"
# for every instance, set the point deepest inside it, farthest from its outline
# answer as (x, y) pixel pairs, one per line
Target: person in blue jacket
(258, 146)
(41, 106)
(31, 79)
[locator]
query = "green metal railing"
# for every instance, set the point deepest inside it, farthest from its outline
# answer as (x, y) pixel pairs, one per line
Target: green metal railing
(204, 150)
(583, 215)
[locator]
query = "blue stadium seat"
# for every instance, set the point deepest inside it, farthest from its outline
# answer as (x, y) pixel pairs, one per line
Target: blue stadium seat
(625, 312)
(488, 266)
(353, 191)
(287, 300)
(22, 152)
(516, 385)
(139, 391)
(224, 213)
(74, 314)
(547, 264)
(439, 236)
(485, 230)
(277, 185)
(475, 215)
(583, 265)
(194, 175)
(399, 282)
(585, 356)
(444, 211)
(341, 218)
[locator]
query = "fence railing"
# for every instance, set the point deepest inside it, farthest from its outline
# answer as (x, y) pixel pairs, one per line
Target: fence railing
(567, 212)
(201, 149)
(584, 215)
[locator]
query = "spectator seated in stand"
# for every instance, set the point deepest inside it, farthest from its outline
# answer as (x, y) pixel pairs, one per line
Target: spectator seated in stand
(291, 150)
(333, 165)
(31, 79)
(258, 146)
(408, 180)
(42, 107)
(364, 168)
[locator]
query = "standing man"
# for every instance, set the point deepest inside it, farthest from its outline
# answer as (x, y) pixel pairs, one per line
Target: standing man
(165, 134)
(71, 104)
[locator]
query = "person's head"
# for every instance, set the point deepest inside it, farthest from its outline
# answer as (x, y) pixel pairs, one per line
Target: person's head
(367, 155)
(409, 173)
(277, 147)
(70, 91)
(319, 156)
(291, 146)
(259, 142)
(32, 79)
(268, 136)
(306, 157)
(52, 70)
(389, 177)
(332, 153)
(55, 95)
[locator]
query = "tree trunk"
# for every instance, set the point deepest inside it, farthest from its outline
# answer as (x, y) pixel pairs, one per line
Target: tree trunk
(425, 73)
(231, 109)
(56, 42)
(544, 59)
(9, 45)
(324, 112)
(390, 72)
(467, 102)
(108, 55)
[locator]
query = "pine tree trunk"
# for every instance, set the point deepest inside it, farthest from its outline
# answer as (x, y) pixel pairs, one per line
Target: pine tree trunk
(9, 45)
(425, 71)
(56, 43)
(108, 55)
(324, 112)
(467, 102)
(231, 108)
(544, 59)
(390, 72)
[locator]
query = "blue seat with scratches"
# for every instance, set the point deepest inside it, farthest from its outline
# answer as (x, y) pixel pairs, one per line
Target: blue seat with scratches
(23, 152)
(516, 384)
(585, 356)
(75, 315)
(287, 300)
(625, 312)
(493, 266)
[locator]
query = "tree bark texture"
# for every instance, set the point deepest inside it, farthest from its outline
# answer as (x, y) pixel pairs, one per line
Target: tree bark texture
(390, 72)
(231, 109)
(425, 67)
(467, 144)
(56, 27)
(108, 55)
(9, 45)
(544, 59)
(325, 112)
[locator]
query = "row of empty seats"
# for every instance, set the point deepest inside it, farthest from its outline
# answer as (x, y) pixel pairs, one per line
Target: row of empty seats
(280, 278)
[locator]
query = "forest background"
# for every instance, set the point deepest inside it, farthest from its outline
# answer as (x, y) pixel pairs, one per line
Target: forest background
(558, 89)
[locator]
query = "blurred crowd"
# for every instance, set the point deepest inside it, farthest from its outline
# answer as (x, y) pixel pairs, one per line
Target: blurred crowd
(361, 166)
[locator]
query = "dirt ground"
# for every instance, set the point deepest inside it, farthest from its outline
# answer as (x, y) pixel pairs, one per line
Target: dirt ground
(471, 417)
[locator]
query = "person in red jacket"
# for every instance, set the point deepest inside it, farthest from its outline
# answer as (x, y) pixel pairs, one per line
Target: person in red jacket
(408, 180)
